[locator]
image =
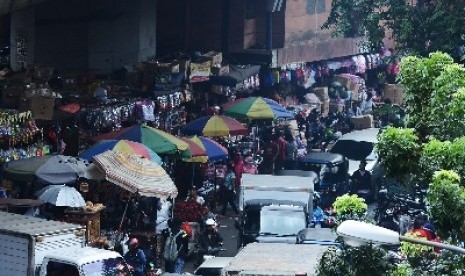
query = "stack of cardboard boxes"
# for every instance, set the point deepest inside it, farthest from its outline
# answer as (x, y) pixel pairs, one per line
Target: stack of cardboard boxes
(362, 122)
(395, 93)
(351, 82)
(322, 94)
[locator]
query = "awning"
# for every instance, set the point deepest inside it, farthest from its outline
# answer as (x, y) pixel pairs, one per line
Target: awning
(237, 73)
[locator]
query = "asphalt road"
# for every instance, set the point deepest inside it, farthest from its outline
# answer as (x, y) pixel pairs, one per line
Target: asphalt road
(229, 233)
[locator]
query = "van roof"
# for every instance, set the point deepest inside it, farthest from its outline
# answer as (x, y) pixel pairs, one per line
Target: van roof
(278, 258)
(34, 226)
(367, 135)
(216, 262)
(82, 255)
(267, 182)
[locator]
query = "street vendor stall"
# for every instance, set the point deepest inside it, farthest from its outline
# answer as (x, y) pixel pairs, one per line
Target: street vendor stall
(142, 177)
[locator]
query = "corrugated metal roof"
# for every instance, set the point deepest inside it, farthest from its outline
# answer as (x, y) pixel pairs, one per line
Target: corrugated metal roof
(33, 226)
(8, 6)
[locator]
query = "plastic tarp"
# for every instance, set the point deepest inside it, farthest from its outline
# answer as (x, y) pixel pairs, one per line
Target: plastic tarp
(237, 73)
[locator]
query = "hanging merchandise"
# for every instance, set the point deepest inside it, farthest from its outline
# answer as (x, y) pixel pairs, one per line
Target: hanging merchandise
(145, 110)
(18, 133)
(99, 119)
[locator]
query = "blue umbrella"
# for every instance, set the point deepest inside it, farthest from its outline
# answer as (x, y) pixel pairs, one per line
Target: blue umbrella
(211, 150)
(122, 146)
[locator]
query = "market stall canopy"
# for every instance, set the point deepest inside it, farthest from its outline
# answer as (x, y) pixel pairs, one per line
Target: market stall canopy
(136, 174)
(216, 125)
(256, 108)
(237, 73)
(123, 146)
(213, 151)
(157, 140)
(51, 169)
(61, 195)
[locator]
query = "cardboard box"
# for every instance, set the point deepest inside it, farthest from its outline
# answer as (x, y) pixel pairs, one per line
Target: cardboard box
(343, 80)
(167, 68)
(202, 69)
(395, 93)
(42, 108)
(325, 108)
(321, 92)
(214, 57)
(220, 71)
(362, 122)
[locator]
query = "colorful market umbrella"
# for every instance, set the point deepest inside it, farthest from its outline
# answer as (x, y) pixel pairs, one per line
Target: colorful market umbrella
(61, 195)
(51, 169)
(123, 146)
(256, 108)
(213, 151)
(136, 174)
(216, 125)
(155, 139)
(194, 153)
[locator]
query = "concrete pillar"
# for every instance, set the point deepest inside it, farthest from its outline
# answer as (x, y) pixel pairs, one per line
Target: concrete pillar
(22, 27)
(147, 29)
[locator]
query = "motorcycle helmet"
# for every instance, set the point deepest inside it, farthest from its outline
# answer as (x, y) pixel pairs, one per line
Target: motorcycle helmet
(210, 222)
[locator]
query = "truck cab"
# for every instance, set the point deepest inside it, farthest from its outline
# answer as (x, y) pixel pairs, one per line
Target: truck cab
(33, 246)
(83, 262)
(274, 208)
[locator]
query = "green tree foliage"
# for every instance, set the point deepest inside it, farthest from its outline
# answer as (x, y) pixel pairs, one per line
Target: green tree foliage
(437, 155)
(428, 26)
(394, 145)
(352, 206)
(417, 76)
(446, 200)
(355, 261)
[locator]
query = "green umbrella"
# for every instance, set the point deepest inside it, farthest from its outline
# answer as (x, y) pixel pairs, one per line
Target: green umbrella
(157, 140)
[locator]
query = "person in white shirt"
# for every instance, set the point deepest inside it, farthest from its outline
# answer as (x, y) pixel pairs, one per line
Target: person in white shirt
(367, 104)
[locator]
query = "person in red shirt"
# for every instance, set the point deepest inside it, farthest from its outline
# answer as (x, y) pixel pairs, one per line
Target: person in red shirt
(238, 168)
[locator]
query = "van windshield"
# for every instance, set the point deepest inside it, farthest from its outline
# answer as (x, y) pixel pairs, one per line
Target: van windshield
(113, 266)
(284, 221)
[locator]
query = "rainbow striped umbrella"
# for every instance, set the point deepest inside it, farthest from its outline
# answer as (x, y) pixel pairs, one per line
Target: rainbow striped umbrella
(159, 141)
(216, 125)
(136, 174)
(203, 149)
(123, 146)
(256, 108)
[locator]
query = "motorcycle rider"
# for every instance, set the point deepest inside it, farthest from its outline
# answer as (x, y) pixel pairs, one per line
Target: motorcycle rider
(210, 240)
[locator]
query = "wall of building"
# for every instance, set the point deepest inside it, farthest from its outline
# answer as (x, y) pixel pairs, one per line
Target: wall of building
(304, 38)
(96, 35)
